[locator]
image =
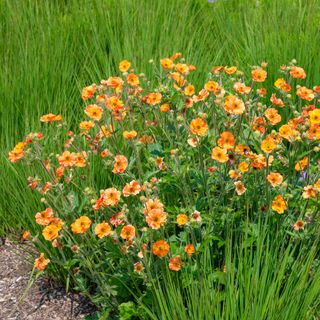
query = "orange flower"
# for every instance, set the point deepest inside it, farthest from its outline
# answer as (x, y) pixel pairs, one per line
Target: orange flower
(67, 159)
(211, 86)
(305, 93)
(129, 135)
(120, 164)
(298, 225)
(202, 95)
(300, 165)
(182, 68)
(102, 230)
(179, 80)
(234, 105)
(268, 145)
(275, 179)
(26, 235)
(230, 70)
(17, 153)
(138, 267)
(50, 232)
(88, 92)
(182, 219)
(50, 117)
(273, 116)
(279, 204)
(57, 222)
(193, 142)
(104, 153)
(128, 232)
(276, 101)
(86, 125)
(131, 189)
(176, 55)
(199, 127)
(160, 248)
(259, 75)
(167, 63)
(115, 104)
(216, 69)
(94, 112)
(40, 263)
(154, 98)
(240, 188)
(219, 155)
(124, 65)
(317, 185)
(175, 263)
(259, 162)
(133, 79)
(314, 132)
(234, 174)
(189, 90)
(189, 249)
(297, 72)
(110, 197)
(243, 167)
(286, 132)
(241, 88)
(309, 192)
(114, 83)
(279, 82)
(314, 116)
(80, 159)
(226, 140)
(44, 217)
(156, 218)
(165, 108)
(81, 225)
(152, 204)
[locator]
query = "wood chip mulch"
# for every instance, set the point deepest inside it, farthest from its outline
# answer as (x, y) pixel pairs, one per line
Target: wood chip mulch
(45, 300)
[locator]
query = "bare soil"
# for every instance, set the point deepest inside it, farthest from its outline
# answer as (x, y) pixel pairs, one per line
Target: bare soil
(45, 300)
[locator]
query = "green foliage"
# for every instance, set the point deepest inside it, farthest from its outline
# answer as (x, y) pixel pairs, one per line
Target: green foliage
(50, 49)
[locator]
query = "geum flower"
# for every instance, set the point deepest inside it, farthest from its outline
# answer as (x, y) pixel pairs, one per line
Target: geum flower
(156, 218)
(160, 248)
(275, 179)
(279, 204)
(219, 154)
(40, 263)
(128, 232)
(234, 105)
(226, 140)
(175, 263)
(152, 204)
(102, 230)
(94, 112)
(309, 192)
(240, 188)
(131, 189)
(45, 217)
(120, 164)
(182, 219)
(81, 225)
(50, 117)
(50, 232)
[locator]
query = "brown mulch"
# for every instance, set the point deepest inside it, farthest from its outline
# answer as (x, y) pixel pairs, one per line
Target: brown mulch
(45, 300)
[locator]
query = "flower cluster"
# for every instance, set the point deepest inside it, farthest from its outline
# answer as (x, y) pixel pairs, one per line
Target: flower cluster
(178, 163)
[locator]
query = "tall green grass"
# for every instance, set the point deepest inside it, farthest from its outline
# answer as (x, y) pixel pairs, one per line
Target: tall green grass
(268, 276)
(50, 49)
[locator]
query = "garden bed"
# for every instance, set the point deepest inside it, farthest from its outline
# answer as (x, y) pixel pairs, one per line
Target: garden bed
(45, 300)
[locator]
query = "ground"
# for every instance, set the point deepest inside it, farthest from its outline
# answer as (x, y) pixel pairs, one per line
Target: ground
(45, 299)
